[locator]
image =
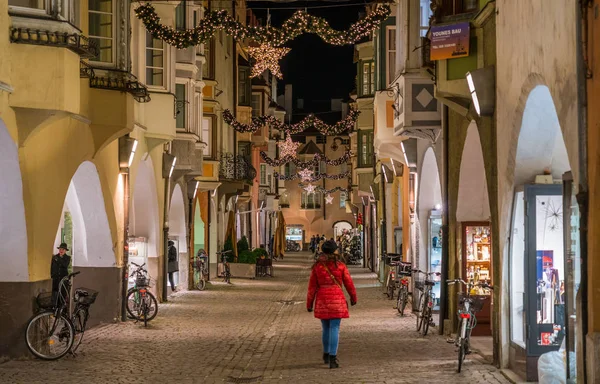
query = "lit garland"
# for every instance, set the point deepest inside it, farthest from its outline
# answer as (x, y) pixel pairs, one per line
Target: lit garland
(326, 191)
(345, 125)
(310, 188)
(328, 199)
(288, 148)
(301, 22)
(304, 174)
(305, 164)
(312, 178)
(267, 57)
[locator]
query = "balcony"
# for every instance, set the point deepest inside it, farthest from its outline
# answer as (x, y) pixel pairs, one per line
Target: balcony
(236, 168)
(114, 80)
(77, 43)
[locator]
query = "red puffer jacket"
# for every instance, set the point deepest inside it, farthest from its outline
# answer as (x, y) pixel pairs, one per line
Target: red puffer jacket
(328, 297)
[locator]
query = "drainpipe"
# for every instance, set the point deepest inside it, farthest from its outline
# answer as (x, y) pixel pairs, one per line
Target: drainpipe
(125, 285)
(235, 87)
(583, 74)
(445, 226)
(384, 213)
(166, 199)
(191, 250)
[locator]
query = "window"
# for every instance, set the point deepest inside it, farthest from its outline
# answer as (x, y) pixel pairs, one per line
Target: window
(321, 139)
(457, 7)
(310, 200)
(263, 174)
(244, 86)
(207, 135)
(365, 149)
(286, 169)
(35, 4)
(391, 54)
(425, 15)
(207, 69)
(101, 28)
(343, 197)
(256, 105)
(181, 105)
(368, 78)
(180, 16)
(344, 168)
(345, 141)
(155, 61)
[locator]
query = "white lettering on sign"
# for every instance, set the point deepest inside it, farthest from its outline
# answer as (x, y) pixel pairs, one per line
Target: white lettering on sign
(456, 31)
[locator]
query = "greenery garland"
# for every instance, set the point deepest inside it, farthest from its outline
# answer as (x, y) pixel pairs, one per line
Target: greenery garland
(301, 22)
(306, 164)
(345, 125)
(314, 178)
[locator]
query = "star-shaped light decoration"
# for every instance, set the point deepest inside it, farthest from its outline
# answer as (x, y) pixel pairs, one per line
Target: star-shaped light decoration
(306, 174)
(328, 199)
(310, 188)
(288, 148)
(267, 57)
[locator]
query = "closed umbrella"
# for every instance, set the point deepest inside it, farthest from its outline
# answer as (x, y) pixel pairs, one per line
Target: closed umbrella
(230, 233)
(279, 238)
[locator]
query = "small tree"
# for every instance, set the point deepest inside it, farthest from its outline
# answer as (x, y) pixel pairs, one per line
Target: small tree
(243, 245)
(228, 246)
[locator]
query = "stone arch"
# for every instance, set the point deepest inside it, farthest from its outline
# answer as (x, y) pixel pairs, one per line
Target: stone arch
(144, 217)
(13, 230)
(339, 226)
(177, 218)
(91, 238)
(473, 200)
(429, 198)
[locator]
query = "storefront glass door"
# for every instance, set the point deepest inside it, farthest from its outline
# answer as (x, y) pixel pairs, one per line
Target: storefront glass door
(544, 280)
(435, 253)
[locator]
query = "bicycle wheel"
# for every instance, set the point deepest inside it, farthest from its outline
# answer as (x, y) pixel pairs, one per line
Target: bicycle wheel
(426, 319)
(390, 292)
(151, 306)
(144, 309)
(419, 313)
(133, 303)
(79, 322)
(402, 298)
(461, 354)
(201, 284)
(49, 337)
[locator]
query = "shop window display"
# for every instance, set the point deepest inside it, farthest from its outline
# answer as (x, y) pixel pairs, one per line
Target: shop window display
(435, 253)
(517, 272)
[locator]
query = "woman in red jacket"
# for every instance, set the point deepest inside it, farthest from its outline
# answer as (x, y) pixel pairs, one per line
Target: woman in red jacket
(330, 305)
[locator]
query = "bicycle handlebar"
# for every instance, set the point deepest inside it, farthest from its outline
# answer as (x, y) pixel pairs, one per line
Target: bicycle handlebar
(224, 252)
(73, 274)
(137, 265)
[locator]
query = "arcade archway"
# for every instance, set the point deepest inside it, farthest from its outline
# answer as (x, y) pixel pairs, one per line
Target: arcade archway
(178, 234)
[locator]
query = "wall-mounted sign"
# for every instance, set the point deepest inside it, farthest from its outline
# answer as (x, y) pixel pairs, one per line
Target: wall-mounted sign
(450, 41)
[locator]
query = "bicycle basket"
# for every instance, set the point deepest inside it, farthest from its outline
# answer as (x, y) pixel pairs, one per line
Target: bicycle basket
(476, 301)
(419, 283)
(44, 300)
(405, 268)
(86, 296)
(142, 281)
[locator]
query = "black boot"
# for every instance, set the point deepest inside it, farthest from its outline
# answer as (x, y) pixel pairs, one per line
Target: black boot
(325, 358)
(333, 362)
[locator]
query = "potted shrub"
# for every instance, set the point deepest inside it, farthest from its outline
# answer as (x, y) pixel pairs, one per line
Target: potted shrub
(245, 265)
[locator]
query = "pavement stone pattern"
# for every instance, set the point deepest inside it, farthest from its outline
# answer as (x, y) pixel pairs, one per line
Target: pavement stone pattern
(258, 331)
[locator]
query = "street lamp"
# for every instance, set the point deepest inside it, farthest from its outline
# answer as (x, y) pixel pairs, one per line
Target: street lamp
(127, 147)
(482, 87)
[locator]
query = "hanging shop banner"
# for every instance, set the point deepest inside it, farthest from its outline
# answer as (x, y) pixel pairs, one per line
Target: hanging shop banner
(450, 41)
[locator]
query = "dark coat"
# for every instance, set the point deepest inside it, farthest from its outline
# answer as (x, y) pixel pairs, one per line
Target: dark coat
(173, 263)
(59, 267)
(329, 299)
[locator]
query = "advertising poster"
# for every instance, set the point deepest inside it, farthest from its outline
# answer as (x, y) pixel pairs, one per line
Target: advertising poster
(450, 41)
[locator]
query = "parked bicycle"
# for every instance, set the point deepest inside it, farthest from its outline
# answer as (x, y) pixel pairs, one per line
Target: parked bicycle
(226, 268)
(402, 282)
(467, 306)
(141, 303)
(53, 332)
(393, 261)
(292, 246)
(426, 301)
(201, 271)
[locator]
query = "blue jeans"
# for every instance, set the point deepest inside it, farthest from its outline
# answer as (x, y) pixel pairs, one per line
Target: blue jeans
(331, 335)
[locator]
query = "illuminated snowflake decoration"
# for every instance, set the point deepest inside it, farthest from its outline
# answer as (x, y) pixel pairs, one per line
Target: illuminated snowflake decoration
(267, 57)
(554, 215)
(288, 148)
(306, 174)
(328, 199)
(310, 188)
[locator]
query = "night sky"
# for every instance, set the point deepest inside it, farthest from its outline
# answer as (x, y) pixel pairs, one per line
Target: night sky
(317, 70)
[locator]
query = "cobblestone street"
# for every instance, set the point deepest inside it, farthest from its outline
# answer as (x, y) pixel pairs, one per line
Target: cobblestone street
(258, 331)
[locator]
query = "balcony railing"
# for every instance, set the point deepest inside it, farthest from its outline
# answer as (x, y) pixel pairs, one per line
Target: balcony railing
(236, 168)
(310, 206)
(72, 41)
(114, 80)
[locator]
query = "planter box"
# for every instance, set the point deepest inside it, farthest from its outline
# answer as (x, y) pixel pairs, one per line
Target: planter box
(240, 270)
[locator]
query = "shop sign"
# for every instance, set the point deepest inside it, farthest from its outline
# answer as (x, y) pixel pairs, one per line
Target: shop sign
(450, 41)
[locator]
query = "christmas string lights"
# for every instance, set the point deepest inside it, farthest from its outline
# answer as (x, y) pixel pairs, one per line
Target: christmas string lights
(301, 22)
(311, 178)
(345, 125)
(304, 174)
(326, 191)
(267, 57)
(328, 199)
(305, 164)
(310, 188)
